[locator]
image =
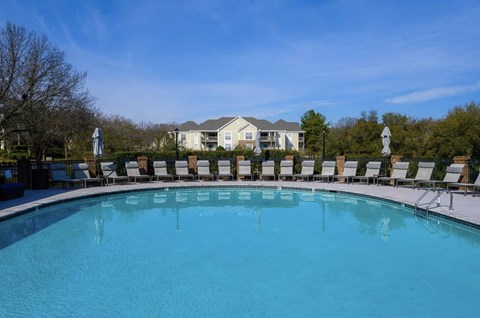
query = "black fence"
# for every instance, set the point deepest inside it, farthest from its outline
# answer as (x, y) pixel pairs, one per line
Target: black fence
(27, 172)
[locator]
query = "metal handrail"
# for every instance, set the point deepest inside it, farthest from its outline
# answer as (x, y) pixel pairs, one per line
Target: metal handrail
(436, 199)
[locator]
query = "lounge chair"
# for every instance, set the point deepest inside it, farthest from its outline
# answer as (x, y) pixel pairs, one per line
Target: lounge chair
(58, 175)
(81, 172)
(328, 171)
(133, 172)
(465, 185)
(268, 170)
(400, 170)
(160, 171)
(307, 170)
(349, 171)
(454, 172)
(424, 172)
(373, 170)
(286, 169)
(244, 169)
(181, 170)
(110, 173)
(203, 170)
(224, 169)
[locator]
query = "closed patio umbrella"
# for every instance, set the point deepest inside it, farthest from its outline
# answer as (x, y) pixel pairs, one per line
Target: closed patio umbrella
(258, 149)
(97, 142)
(386, 141)
(386, 145)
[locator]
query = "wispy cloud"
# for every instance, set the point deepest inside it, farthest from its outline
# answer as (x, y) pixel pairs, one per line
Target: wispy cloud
(435, 93)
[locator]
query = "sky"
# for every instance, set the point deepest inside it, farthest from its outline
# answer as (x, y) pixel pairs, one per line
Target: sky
(159, 61)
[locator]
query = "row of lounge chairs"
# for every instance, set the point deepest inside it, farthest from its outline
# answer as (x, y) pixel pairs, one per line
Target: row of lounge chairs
(349, 174)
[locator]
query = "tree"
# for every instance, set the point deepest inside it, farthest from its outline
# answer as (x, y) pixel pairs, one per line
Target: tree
(39, 89)
(458, 133)
(158, 136)
(120, 134)
(314, 124)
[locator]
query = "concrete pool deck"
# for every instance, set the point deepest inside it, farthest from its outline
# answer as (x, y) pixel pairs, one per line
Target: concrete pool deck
(465, 208)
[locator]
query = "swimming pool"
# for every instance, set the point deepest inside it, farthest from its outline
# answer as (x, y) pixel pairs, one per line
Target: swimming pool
(236, 252)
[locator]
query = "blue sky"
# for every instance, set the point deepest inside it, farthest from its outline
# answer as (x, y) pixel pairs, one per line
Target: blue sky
(172, 61)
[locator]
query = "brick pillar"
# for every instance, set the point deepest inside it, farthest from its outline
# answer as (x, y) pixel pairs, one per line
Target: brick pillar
(143, 165)
(239, 158)
(192, 163)
(341, 167)
(393, 160)
(92, 166)
(466, 171)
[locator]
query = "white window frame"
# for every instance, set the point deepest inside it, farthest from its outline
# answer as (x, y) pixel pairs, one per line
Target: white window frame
(248, 132)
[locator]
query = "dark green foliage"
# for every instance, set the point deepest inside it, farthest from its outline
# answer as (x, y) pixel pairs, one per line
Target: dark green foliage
(313, 124)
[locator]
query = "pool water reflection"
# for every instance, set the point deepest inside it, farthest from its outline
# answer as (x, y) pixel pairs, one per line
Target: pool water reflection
(236, 253)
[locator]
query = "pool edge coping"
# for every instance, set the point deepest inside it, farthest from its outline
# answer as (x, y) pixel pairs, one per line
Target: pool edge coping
(40, 205)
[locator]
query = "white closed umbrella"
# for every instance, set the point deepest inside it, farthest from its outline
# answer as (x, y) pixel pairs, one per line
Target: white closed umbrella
(97, 142)
(258, 149)
(386, 141)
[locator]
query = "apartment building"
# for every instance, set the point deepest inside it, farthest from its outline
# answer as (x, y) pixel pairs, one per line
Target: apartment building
(230, 132)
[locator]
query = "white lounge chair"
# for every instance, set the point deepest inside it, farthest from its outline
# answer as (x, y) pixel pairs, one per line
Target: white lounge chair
(110, 173)
(424, 172)
(328, 171)
(133, 172)
(400, 170)
(160, 171)
(286, 169)
(81, 172)
(373, 170)
(307, 170)
(203, 170)
(268, 170)
(224, 169)
(454, 172)
(349, 171)
(465, 185)
(244, 169)
(181, 170)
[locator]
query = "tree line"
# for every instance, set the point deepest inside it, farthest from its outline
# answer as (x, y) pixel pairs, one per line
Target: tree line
(457, 133)
(45, 110)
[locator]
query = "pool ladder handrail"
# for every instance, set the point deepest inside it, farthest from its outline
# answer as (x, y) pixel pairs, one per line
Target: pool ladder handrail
(428, 205)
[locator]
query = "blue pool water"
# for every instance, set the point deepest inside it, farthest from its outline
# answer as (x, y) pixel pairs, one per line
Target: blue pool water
(236, 253)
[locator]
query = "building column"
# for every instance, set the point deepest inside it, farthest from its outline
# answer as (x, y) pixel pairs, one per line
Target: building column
(192, 163)
(340, 167)
(393, 160)
(92, 166)
(143, 165)
(466, 170)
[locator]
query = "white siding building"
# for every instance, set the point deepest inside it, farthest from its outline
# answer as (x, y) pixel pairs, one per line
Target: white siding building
(229, 132)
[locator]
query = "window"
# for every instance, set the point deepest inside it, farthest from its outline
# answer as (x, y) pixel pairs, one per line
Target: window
(228, 136)
(183, 137)
(248, 135)
(228, 146)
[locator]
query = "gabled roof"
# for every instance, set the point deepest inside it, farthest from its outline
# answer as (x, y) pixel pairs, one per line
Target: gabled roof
(262, 124)
(215, 124)
(288, 126)
(188, 125)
